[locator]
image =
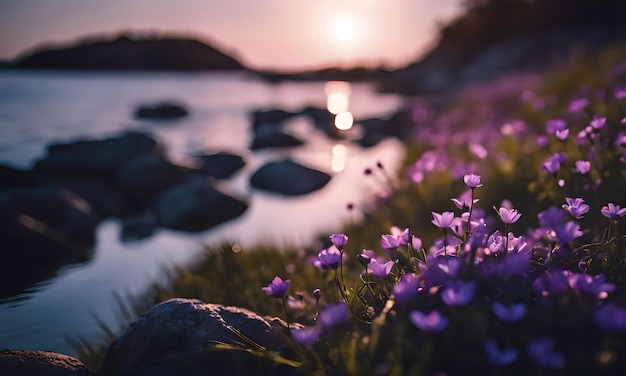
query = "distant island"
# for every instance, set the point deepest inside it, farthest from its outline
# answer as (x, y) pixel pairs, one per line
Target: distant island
(126, 53)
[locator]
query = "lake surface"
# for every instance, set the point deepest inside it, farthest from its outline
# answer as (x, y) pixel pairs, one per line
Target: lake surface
(37, 108)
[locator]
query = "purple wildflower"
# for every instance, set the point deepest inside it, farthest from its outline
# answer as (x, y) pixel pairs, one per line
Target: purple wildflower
(380, 270)
(456, 293)
(593, 285)
(278, 288)
(330, 257)
(333, 314)
(597, 122)
(431, 322)
(613, 211)
(464, 201)
(364, 258)
(620, 92)
(499, 357)
(416, 242)
(611, 317)
(443, 220)
(389, 242)
(543, 353)
(339, 241)
(553, 163)
(551, 218)
(509, 216)
(568, 232)
(582, 167)
(555, 125)
(509, 313)
(306, 335)
(562, 135)
(576, 207)
(317, 294)
(577, 104)
(406, 288)
(472, 180)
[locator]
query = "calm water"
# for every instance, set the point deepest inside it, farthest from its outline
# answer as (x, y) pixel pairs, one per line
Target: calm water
(37, 108)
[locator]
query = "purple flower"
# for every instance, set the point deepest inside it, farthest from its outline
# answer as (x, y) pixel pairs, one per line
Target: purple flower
(568, 232)
(543, 353)
(611, 317)
(333, 314)
(456, 293)
(577, 105)
(401, 235)
(551, 218)
(330, 257)
(562, 135)
(597, 122)
(464, 201)
(306, 335)
(583, 167)
(389, 242)
(593, 285)
(339, 241)
(509, 313)
(431, 322)
(416, 242)
(278, 288)
(472, 180)
(553, 163)
(498, 357)
(620, 92)
(613, 211)
(552, 283)
(576, 207)
(443, 220)
(555, 125)
(365, 257)
(509, 216)
(317, 294)
(406, 288)
(380, 270)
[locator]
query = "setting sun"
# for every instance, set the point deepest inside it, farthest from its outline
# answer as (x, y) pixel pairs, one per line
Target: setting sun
(343, 31)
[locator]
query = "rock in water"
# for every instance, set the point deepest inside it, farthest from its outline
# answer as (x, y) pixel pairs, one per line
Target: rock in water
(36, 363)
(96, 157)
(221, 165)
(161, 111)
(196, 206)
(289, 178)
(175, 337)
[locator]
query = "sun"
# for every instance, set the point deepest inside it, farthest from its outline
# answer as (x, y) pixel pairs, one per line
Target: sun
(343, 31)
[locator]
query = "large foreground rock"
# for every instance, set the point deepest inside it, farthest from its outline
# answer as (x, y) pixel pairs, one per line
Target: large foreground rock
(289, 178)
(38, 363)
(196, 206)
(173, 338)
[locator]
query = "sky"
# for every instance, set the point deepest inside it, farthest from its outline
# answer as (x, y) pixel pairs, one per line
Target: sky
(261, 34)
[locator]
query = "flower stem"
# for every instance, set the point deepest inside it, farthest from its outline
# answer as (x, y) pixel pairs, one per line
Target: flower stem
(286, 318)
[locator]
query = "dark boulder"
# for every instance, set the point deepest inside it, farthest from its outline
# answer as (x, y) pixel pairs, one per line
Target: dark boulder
(274, 139)
(42, 229)
(103, 197)
(221, 165)
(175, 337)
(269, 118)
(289, 178)
(101, 158)
(161, 111)
(138, 227)
(11, 178)
(143, 178)
(196, 206)
(36, 363)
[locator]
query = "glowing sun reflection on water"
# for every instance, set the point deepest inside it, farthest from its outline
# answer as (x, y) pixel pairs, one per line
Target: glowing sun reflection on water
(337, 103)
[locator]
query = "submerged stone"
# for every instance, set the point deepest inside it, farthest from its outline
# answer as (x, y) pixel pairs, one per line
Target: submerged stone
(289, 178)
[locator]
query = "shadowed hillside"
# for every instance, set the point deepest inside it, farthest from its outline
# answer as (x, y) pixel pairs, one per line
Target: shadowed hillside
(498, 36)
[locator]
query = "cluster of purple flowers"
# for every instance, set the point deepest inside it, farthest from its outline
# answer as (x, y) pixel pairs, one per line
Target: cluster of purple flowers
(551, 297)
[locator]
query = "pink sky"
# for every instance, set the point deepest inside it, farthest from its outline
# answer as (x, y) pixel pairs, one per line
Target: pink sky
(263, 34)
